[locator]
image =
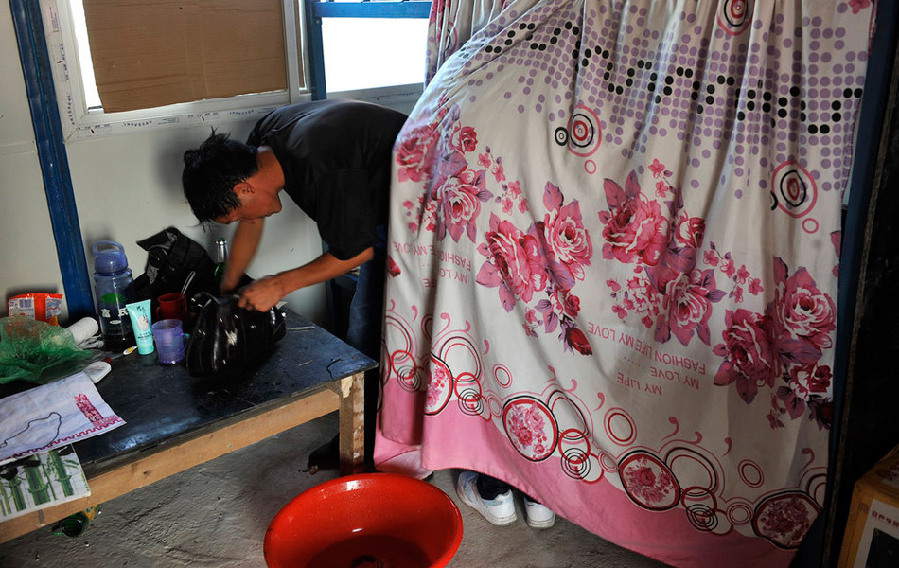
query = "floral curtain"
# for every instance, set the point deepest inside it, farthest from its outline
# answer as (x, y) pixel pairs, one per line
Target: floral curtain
(613, 265)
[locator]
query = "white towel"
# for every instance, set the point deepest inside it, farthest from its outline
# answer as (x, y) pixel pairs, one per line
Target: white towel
(53, 415)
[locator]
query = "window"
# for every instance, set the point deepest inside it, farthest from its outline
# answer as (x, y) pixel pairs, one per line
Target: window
(76, 87)
(153, 54)
(365, 53)
(371, 50)
(85, 62)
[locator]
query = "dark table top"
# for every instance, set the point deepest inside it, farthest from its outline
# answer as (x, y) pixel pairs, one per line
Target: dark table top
(159, 402)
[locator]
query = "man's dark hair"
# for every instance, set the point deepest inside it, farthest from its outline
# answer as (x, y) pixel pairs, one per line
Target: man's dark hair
(212, 171)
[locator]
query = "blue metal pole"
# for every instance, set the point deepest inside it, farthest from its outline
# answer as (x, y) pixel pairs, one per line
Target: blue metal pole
(316, 50)
(28, 24)
(411, 9)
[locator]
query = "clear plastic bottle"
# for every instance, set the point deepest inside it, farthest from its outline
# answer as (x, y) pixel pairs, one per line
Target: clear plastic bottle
(111, 280)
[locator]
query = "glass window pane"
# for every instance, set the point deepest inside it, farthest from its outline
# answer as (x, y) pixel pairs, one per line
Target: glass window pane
(85, 63)
(362, 53)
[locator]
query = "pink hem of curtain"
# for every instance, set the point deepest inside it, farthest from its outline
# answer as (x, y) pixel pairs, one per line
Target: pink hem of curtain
(477, 445)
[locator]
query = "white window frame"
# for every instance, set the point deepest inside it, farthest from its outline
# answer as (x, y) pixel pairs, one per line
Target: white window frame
(389, 96)
(79, 122)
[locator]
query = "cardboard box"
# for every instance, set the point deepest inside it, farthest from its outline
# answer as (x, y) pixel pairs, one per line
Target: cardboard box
(152, 53)
(872, 532)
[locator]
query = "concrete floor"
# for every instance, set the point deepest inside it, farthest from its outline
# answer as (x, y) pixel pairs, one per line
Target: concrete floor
(216, 514)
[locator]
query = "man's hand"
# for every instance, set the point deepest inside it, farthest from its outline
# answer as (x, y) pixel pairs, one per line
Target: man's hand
(262, 294)
(228, 285)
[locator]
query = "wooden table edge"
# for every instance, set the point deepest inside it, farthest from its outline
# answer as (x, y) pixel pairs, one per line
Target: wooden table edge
(229, 435)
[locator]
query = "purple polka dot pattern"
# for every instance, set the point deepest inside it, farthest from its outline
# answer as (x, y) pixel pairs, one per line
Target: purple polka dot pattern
(765, 88)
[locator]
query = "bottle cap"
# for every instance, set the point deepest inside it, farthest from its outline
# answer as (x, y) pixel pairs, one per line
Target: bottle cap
(109, 257)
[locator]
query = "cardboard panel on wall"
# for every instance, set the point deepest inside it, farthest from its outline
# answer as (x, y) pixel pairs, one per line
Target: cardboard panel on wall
(149, 53)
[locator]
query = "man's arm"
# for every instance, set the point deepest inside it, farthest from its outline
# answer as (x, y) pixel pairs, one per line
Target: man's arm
(243, 249)
(266, 292)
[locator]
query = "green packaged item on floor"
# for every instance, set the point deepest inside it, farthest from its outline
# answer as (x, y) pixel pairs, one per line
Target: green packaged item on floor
(35, 351)
(74, 525)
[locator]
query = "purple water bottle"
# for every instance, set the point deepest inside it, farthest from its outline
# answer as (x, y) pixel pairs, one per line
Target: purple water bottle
(111, 280)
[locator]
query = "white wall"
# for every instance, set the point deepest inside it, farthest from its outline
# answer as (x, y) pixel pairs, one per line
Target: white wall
(28, 259)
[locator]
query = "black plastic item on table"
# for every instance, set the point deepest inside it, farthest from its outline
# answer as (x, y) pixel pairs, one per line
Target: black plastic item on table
(174, 260)
(227, 339)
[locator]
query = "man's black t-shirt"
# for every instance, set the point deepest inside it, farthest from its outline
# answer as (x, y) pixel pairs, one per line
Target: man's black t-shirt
(336, 158)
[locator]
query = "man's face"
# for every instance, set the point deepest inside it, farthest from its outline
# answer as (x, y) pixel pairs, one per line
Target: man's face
(254, 204)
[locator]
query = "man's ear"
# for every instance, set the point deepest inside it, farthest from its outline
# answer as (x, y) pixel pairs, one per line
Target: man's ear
(244, 188)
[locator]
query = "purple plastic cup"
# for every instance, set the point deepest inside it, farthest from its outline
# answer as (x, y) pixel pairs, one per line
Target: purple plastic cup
(169, 338)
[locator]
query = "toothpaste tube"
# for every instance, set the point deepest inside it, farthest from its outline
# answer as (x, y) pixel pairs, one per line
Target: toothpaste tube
(140, 324)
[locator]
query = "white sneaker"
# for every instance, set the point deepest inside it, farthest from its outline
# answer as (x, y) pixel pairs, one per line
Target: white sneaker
(498, 511)
(538, 516)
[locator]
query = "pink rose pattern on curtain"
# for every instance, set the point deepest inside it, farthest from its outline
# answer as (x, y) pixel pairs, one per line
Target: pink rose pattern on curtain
(613, 265)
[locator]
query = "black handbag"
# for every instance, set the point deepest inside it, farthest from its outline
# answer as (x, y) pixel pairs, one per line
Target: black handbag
(227, 339)
(174, 262)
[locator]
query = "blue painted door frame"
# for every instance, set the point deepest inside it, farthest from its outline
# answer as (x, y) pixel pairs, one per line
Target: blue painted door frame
(39, 88)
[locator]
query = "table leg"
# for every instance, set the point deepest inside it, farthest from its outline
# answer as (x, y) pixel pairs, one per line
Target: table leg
(352, 411)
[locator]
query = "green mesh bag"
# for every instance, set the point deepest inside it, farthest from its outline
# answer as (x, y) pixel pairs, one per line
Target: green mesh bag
(35, 351)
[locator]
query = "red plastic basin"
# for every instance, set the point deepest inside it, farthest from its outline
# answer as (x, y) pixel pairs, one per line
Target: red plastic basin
(371, 520)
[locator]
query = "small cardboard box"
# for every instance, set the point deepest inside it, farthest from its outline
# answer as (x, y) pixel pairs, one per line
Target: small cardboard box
(872, 532)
